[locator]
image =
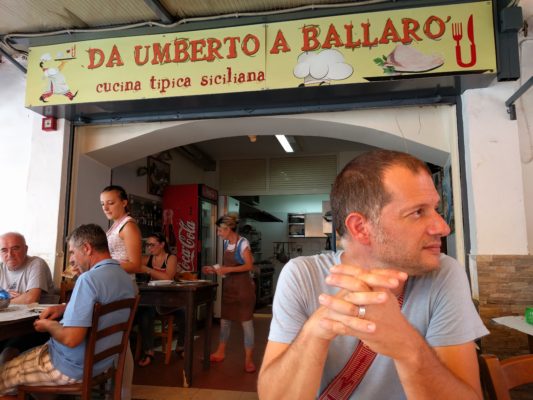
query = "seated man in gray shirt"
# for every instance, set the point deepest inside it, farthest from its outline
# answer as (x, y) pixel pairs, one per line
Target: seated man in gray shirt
(387, 318)
(28, 280)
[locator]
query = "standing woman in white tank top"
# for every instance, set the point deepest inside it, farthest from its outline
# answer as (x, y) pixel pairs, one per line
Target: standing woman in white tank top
(124, 236)
(125, 245)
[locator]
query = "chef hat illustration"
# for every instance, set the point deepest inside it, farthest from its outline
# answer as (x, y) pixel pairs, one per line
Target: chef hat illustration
(322, 66)
(46, 57)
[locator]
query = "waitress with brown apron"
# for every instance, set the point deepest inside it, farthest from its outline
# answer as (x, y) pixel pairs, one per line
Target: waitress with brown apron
(238, 291)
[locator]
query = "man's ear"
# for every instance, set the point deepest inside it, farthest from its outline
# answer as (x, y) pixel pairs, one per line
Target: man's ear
(358, 227)
(87, 248)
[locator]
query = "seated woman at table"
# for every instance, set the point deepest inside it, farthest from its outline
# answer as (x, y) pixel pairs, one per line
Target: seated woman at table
(159, 265)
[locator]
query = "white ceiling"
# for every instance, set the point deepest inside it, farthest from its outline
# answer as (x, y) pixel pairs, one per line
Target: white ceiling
(268, 146)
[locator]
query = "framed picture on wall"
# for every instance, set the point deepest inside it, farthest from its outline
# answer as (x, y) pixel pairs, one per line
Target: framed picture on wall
(158, 176)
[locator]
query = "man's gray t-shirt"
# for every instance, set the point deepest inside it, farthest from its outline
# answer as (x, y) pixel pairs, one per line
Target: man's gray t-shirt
(437, 304)
(34, 273)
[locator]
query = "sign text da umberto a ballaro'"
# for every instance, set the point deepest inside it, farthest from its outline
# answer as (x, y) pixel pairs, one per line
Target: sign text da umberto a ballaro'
(341, 49)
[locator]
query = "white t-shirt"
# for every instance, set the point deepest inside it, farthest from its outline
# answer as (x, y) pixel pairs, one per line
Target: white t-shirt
(34, 273)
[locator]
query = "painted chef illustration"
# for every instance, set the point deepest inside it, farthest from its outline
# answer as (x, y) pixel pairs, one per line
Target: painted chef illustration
(55, 80)
(320, 68)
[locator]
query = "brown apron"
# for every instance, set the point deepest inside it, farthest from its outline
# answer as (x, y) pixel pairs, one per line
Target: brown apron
(238, 291)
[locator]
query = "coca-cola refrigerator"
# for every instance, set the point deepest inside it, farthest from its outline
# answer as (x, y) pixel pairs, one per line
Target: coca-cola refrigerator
(189, 216)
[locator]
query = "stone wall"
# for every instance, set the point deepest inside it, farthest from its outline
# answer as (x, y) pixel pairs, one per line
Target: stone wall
(505, 288)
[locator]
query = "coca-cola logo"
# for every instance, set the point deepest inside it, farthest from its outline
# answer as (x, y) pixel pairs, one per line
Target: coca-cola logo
(187, 240)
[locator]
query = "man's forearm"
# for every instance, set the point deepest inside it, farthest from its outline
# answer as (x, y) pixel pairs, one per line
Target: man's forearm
(70, 336)
(31, 296)
(423, 375)
(56, 330)
(296, 373)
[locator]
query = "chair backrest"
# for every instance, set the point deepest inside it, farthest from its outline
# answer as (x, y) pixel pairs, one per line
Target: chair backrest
(498, 377)
(65, 290)
(92, 355)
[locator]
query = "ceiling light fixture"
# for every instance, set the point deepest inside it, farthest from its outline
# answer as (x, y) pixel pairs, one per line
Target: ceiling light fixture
(284, 143)
(253, 138)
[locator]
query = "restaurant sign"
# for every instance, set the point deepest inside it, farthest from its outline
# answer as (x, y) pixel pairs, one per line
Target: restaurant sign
(343, 49)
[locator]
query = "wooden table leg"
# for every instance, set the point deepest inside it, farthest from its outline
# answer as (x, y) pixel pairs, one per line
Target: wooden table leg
(530, 341)
(190, 319)
(207, 338)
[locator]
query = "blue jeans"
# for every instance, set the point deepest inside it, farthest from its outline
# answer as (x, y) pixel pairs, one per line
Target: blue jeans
(247, 326)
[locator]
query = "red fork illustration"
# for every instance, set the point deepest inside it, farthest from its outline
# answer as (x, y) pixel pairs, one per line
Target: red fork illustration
(457, 34)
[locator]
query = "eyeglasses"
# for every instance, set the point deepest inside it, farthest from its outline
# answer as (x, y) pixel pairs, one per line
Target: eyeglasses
(151, 244)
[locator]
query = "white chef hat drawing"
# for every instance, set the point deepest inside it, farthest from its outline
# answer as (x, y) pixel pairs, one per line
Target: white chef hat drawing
(46, 57)
(326, 65)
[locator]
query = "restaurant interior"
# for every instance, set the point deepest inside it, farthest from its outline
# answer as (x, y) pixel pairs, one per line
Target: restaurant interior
(283, 213)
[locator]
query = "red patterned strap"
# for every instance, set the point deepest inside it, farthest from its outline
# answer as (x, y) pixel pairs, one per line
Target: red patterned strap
(347, 380)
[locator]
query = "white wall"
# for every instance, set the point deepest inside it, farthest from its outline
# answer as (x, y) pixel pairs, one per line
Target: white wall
(90, 177)
(126, 176)
(45, 202)
(499, 162)
(494, 173)
(524, 107)
(15, 148)
(33, 163)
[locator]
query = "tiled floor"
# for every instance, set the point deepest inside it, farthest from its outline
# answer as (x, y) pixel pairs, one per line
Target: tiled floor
(225, 380)
(170, 393)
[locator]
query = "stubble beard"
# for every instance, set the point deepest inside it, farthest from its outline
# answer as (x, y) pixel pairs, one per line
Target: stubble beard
(390, 254)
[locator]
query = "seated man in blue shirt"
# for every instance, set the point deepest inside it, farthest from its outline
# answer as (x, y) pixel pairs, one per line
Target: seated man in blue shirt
(60, 360)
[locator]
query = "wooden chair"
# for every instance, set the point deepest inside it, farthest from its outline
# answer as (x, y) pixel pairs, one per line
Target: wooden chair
(166, 335)
(92, 357)
(498, 377)
(65, 290)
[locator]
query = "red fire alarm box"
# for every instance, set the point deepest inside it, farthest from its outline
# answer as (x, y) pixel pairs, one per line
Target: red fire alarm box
(49, 124)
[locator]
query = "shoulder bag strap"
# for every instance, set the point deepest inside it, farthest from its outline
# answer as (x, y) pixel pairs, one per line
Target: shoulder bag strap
(347, 380)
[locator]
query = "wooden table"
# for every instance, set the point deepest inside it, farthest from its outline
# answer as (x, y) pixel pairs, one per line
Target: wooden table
(188, 295)
(18, 327)
(518, 322)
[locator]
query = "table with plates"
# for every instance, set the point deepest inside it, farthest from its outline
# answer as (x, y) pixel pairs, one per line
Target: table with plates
(16, 320)
(518, 323)
(189, 295)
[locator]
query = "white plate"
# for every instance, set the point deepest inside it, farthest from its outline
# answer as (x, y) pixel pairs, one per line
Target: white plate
(39, 307)
(163, 282)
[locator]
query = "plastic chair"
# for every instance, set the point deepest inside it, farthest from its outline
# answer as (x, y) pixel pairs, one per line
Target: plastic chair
(166, 335)
(498, 377)
(92, 357)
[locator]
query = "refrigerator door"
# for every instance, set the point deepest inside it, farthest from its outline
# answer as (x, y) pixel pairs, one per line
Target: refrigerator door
(208, 237)
(181, 219)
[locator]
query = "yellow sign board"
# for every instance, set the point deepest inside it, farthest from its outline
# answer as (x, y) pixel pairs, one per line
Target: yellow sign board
(344, 49)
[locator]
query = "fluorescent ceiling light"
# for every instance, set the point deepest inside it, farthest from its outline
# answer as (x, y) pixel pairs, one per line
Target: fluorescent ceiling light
(284, 143)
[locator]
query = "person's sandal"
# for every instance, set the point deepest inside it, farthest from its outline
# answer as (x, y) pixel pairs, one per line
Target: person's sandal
(250, 367)
(146, 360)
(215, 358)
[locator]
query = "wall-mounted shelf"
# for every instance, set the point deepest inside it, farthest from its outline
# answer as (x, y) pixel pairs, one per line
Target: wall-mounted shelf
(296, 224)
(148, 214)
